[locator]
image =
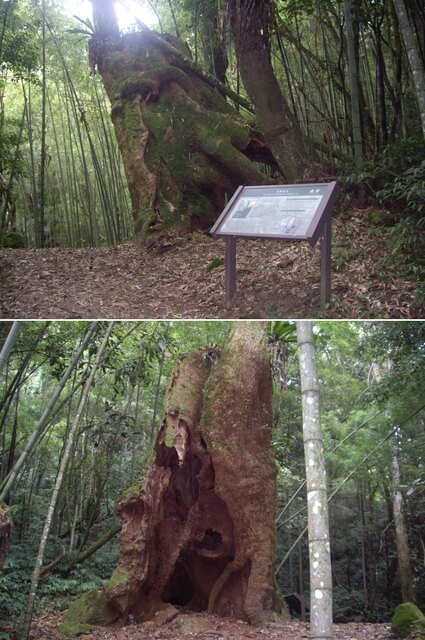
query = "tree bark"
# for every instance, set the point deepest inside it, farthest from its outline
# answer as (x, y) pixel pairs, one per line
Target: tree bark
(354, 87)
(250, 22)
(198, 531)
(403, 554)
(5, 531)
(41, 240)
(413, 55)
(8, 344)
(97, 544)
(317, 504)
(105, 19)
(184, 148)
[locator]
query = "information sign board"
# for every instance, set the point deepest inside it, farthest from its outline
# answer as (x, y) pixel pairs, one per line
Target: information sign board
(293, 212)
(280, 212)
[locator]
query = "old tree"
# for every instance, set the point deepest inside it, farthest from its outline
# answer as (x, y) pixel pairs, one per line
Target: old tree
(185, 147)
(199, 530)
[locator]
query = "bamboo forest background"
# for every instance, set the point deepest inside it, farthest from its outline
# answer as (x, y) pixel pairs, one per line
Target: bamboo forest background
(373, 414)
(61, 177)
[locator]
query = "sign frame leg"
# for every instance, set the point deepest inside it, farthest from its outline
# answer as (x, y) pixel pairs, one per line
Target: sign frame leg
(325, 265)
(230, 268)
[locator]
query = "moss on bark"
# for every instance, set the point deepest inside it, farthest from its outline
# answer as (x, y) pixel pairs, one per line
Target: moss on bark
(185, 149)
(407, 618)
(91, 608)
(74, 630)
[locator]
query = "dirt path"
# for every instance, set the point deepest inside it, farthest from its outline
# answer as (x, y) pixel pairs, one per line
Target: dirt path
(202, 626)
(182, 280)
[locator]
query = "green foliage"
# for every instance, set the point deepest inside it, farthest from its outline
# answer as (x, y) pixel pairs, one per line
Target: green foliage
(394, 176)
(215, 263)
(352, 605)
(283, 330)
(14, 586)
(396, 179)
(407, 191)
(20, 45)
(54, 591)
(9, 140)
(408, 187)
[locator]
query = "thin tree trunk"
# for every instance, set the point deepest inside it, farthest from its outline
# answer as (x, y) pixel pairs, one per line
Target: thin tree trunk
(5, 530)
(13, 437)
(158, 386)
(45, 415)
(105, 19)
(100, 542)
(416, 65)
(318, 528)
(58, 483)
(380, 70)
(8, 344)
(404, 565)
(354, 87)
(42, 189)
(251, 23)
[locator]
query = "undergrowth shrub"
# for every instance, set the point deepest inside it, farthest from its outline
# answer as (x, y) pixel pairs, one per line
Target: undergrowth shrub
(396, 181)
(353, 606)
(53, 592)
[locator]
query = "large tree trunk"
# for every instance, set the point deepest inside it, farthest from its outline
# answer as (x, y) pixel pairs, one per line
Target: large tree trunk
(185, 149)
(199, 530)
(251, 22)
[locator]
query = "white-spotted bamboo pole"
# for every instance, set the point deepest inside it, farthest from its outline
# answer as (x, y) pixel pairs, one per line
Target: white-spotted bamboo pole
(58, 483)
(407, 585)
(318, 527)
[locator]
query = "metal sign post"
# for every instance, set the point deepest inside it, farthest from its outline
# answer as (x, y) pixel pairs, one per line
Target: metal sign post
(325, 265)
(279, 212)
(230, 268)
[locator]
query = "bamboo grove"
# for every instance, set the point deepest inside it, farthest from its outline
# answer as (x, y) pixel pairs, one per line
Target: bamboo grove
(346, 70)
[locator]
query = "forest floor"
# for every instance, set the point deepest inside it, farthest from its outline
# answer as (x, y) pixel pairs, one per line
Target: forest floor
(202, 626)
(184, 278)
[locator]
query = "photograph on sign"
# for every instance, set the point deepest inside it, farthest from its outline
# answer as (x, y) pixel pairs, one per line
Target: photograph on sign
(279, 211)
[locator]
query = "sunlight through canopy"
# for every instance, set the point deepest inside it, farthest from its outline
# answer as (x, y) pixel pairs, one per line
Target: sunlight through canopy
(127, 12)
